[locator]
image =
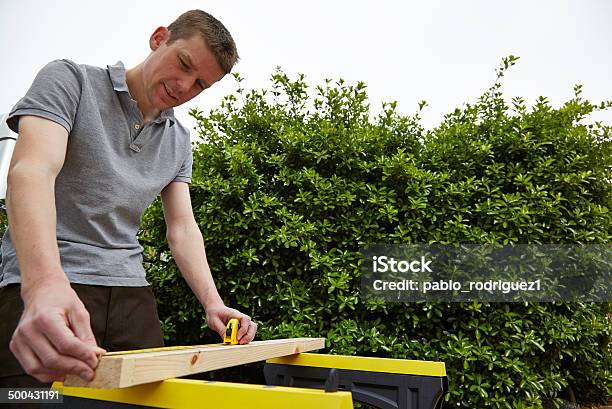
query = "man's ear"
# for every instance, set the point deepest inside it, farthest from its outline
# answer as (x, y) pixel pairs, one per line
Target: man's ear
(159, 37)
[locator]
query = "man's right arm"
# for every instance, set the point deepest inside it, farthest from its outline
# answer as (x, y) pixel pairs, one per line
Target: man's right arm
(54, 335)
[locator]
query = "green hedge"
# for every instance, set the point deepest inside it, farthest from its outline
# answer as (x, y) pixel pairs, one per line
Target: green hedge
(288, 182)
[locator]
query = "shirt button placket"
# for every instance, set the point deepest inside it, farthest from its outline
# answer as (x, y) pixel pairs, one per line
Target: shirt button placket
(134, 146)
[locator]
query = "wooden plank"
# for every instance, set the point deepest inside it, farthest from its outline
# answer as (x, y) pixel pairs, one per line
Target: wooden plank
(120, 370)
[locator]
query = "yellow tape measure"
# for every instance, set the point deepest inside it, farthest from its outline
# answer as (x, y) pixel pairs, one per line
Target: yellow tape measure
(231, 332)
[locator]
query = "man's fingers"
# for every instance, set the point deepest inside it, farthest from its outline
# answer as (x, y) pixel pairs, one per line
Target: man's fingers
(66, 343)
(216, 325)
(29, 362)
(245, 322)
(80, 324)
(78, 320)
(47, 366)
(55, 362)
(249, 335)
(26, 357)
(219, 329)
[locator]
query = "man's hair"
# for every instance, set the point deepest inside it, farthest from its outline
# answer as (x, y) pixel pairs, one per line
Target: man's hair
(214, 33)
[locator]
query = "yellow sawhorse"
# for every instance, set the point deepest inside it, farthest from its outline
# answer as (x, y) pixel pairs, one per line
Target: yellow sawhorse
(380, 382)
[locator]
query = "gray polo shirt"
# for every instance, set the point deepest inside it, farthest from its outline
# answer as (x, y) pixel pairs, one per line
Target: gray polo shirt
(115, 166)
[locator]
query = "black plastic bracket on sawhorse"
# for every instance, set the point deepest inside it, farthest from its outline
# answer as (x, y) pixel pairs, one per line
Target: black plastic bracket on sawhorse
(379, 389)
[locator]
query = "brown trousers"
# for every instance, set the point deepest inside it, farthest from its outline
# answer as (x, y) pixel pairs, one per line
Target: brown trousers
(122, 318)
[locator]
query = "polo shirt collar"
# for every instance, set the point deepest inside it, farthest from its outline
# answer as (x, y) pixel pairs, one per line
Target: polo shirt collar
(117, 76)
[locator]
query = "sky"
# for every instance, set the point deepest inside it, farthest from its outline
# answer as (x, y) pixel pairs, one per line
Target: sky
(441, 51)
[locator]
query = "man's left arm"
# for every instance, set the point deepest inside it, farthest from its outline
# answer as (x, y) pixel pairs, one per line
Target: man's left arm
(187, 247)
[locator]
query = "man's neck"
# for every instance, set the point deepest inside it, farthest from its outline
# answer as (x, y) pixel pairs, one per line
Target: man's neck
(133, 78)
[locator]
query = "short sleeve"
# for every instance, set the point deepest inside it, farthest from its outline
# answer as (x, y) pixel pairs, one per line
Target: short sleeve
(184, 174)
(54, 95)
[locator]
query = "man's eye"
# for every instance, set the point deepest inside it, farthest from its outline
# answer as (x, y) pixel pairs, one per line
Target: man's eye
(185, 66)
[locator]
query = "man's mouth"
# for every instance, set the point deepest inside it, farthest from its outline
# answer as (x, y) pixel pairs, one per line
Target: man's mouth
(170, 94)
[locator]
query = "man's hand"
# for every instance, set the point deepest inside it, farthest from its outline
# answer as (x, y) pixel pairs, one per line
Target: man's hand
(54, 336)
(218, 317)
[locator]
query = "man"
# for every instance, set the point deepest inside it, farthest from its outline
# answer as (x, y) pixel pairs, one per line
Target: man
(95, 147)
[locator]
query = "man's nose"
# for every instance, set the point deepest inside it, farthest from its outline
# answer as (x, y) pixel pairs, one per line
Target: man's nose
(181, 87)
(186, 84)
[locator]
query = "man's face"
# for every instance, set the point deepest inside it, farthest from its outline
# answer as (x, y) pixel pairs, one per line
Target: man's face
(173, 74)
